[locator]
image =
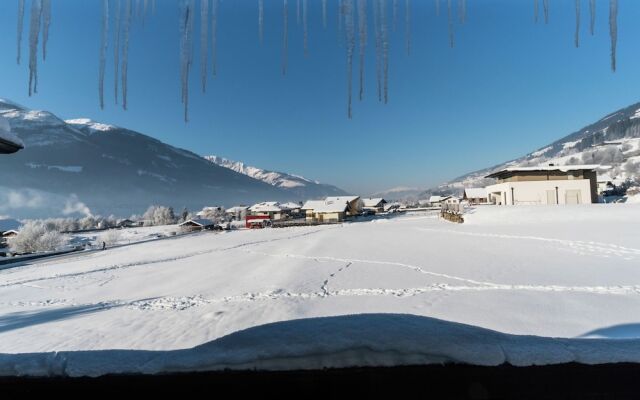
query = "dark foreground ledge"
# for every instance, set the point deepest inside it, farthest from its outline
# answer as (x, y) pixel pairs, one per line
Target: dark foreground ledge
(563, 381)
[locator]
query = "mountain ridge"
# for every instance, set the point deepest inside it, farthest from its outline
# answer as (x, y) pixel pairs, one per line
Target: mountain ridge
(613, 140)
(299, 184)
(80, 164)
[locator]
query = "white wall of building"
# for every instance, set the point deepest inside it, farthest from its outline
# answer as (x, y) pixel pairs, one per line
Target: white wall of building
(541, 192)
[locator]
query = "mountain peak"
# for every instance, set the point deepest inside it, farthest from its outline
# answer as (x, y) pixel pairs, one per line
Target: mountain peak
(91, 125)
(297, 183)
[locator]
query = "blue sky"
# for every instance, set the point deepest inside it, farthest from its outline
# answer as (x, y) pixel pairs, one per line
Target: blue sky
(509, 86)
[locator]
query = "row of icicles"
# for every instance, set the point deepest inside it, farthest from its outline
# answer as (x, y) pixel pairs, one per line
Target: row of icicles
(352, 20)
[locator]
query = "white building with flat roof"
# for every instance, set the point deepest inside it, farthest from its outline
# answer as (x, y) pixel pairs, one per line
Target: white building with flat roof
(562, 184)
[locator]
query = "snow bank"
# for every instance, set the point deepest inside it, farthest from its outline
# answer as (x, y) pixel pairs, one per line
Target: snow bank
(633, 199)
(334, 342)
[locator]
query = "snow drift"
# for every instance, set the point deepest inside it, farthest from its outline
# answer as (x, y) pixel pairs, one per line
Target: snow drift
(333, 342)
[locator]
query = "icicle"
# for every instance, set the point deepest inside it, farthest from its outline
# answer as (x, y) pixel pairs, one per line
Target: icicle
(535, 11)
(384, 33)
(347, 10)
(462, 11)
(613, 31)
(362, 33)
(116, 52)
(34, 33)
(577, 36)
(186, 50)
(128, 13)
(305, 27)
(545, 9)
(324, 14)
(103, 50)
(46, 22)
(450, 14)
(214, 37)
(285, 35)
(261, 19)
(298, 16)
(20, 29)
(407, 24)
(438, 8)
(395, 14)
(592, 11)
(146, 7)
(376, 25)
(204, 42)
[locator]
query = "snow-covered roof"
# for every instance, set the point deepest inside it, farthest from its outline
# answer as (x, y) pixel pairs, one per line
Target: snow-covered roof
(347, 199)
(562, 168)
(374, 202)
(290, 206)
(9, 224)
(198, 221)
(437, 199)
(267, 206)
(236, 209)
(605, 178)
(330, 206)
(475, 193)
(312, 204)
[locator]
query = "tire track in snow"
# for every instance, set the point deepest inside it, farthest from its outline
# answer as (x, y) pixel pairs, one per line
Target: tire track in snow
(156, 261)
(475, 284)
(415, 268)
(182, 303)
(576, 246)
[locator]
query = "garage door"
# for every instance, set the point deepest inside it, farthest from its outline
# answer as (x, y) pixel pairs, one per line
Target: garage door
(551, 197)
(573, 197)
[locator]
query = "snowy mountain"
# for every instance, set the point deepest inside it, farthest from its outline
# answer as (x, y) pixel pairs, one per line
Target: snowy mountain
(81, 166)
(400, 193)
(300, 186)
(613, 140)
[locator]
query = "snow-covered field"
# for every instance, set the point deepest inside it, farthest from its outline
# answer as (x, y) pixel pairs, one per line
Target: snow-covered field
(569, 272)
(130, 235)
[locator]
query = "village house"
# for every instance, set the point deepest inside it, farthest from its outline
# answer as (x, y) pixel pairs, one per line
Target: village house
(391, 207)
(5, 236)
(325, 211)
(605, 183)
(291, 208)
(332, 209)
(208, 212)
(309, 207)
(197, 224)
(237, 213)
(127, 223)
(271, 209)
(8, 228)
(354, 204)
(551, 184)
(377, 205)
(475, 196)
(437, 201)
